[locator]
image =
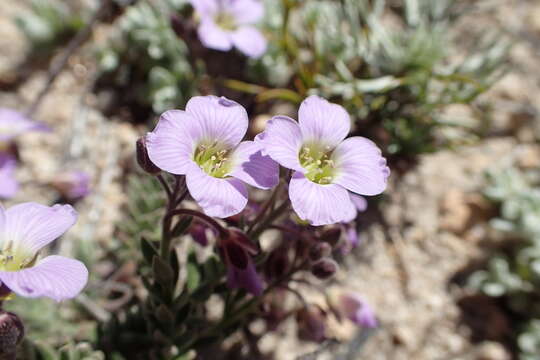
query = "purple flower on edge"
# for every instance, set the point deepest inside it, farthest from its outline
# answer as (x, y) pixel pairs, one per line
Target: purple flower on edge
(8, 184)
(203, 143)
(24, 230)
(13, 124)
(326, 165)
(228, 23)
(355, 308)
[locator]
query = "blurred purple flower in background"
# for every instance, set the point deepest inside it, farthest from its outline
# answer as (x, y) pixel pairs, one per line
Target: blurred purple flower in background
(24, 230)
(72, 185)
(8, 184)
(355, 308)
(228, 23)
(327, 166)
(13, 123)
(204, 143)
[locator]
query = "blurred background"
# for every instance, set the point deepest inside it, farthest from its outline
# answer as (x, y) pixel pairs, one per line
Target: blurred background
(450, 90)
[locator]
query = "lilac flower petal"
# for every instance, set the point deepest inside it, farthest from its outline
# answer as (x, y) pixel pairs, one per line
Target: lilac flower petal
(359, 202)
(247, 11)
(8, 184)
(213, 37)
(13, 123)
(360, 166)
(246, 279)
(282, 140)
(220, 119)
(172, 143)
(323, 122)
(356, 309)
(32, 226)
(351, 235)
(320, 204)
(56, 277)
(217, 197)
(254, 168)
(205, 8)
(249, 41)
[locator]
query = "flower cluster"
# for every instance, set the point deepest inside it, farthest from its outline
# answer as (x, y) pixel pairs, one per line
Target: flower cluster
(204, 142)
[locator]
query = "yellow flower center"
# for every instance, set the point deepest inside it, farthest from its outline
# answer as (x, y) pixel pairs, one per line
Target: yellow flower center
(15, 260)
(318, 163)
(213, 160)
(225, 21)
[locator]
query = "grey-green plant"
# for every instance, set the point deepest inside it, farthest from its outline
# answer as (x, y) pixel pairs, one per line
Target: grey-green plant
(513, 275)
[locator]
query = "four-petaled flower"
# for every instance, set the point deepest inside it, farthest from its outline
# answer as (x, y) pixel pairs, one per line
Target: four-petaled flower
(228, 23)
(203, 143)
(326, 165)
(24, 230)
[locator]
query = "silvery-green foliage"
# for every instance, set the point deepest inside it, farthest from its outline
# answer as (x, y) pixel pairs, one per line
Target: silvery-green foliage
(71, 351)
(514, 274)
(386, 64)
(48, 22)
(146, 47)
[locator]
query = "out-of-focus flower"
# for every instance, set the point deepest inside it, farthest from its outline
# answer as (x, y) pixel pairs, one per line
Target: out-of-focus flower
(311, 322)
(355, 308)
(228, 23)
(13, 123)
(8, 184)
(327, 166)
(203, 143)
(351, 236)
(24, 230)
(72, 185)
(241, 273)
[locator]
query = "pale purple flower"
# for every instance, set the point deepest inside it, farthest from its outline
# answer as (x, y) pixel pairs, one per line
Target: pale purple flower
(24, 230)
(204, 143)
(355, 308)
(326, 165)
(13, 124)
(8, 184)
(228, 23)
(72, 185)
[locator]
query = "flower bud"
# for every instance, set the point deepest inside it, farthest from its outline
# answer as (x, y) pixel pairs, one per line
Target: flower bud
(319, 251)
(143, 159)
(278, 263)
(355, 308)
(11, 332)
(324, 268)
(311, 323)
(331, 235)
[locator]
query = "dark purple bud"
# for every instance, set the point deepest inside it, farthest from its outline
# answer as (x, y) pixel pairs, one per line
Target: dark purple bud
(5, 292)
(236, 250)
(11, 332)
(311, 323)
(319, 250)
(143, 160)
(331, 235)
(324, 268)
(277, 264)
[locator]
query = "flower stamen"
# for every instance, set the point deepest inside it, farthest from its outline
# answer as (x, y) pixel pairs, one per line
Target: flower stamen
(316, 160)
